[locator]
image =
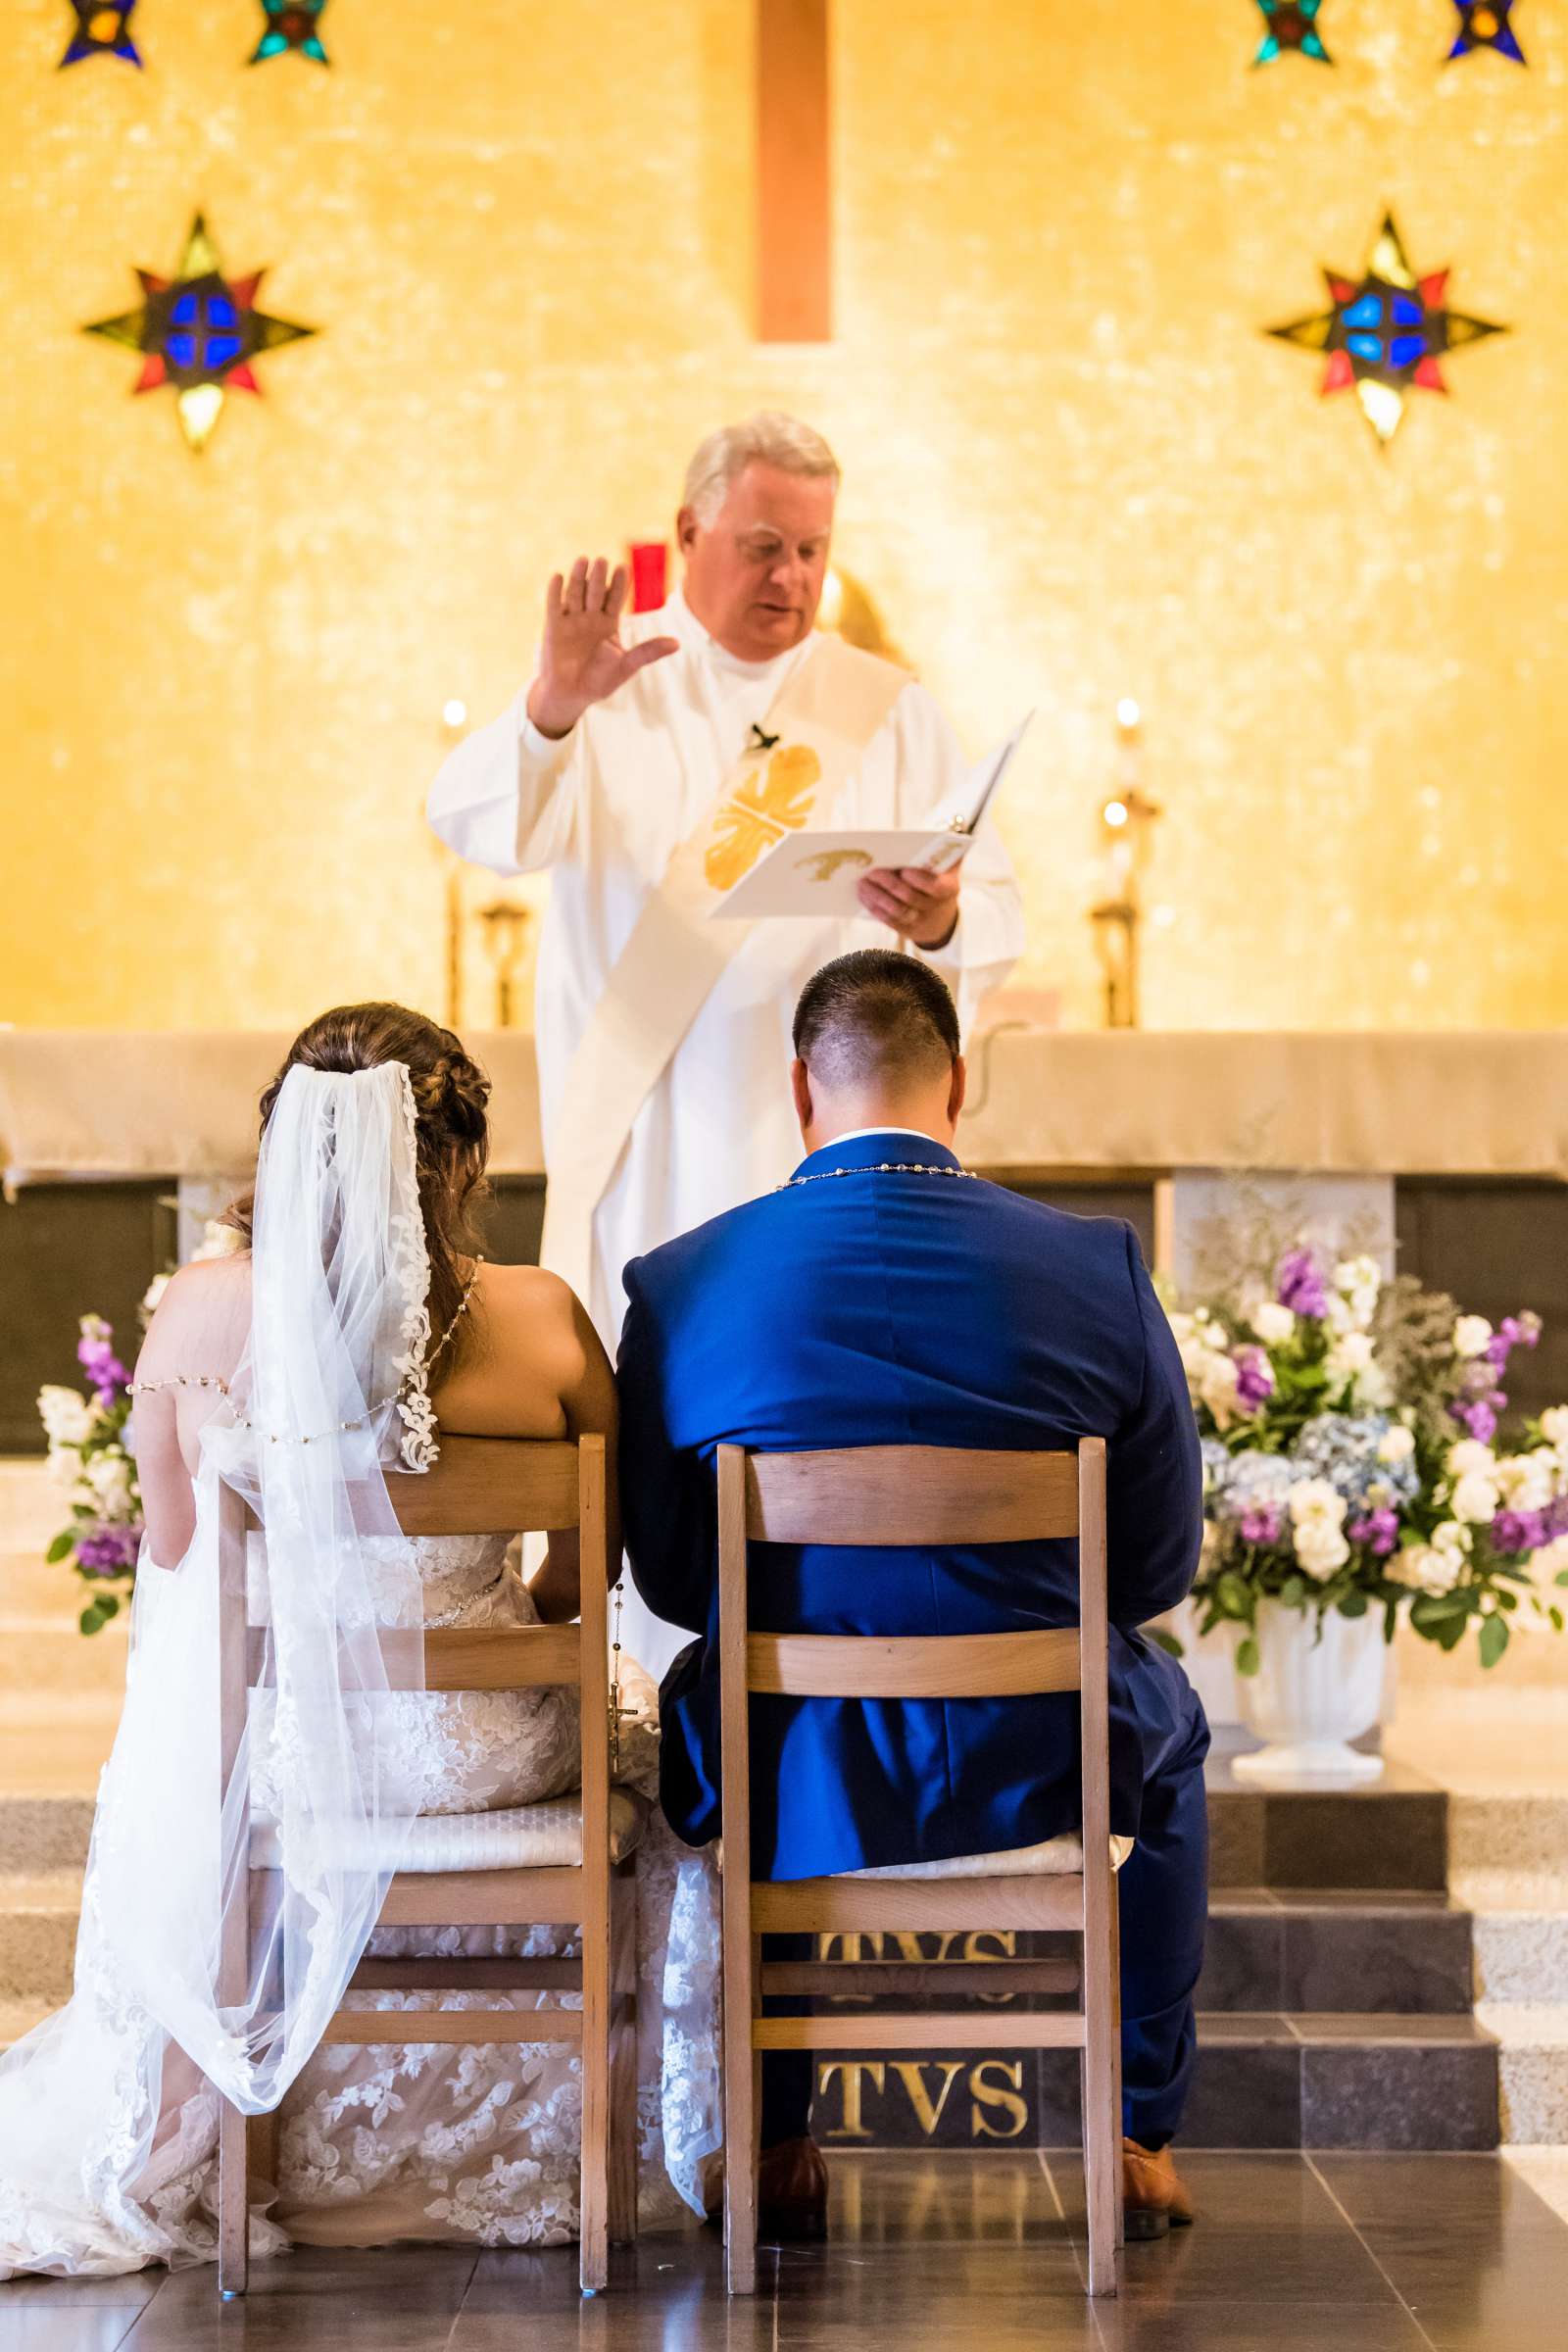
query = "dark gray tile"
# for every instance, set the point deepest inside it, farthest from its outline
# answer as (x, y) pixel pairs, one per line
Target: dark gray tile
(1139, 2322)
(1262, 2221)
(1242, 1956)
(1235, 1836)
(1005, 2199)
(374, 2299)
(1395, 1839)
(1383, 2092)
(35, 2327)
(1479, 2195)
(131, 2292)
(1392, 1957)
(1246, 2091)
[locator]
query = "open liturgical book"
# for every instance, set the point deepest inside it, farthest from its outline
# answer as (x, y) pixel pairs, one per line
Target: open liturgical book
(814, 873)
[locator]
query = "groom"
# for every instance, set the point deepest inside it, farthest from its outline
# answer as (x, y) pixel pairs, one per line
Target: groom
(884, 1296)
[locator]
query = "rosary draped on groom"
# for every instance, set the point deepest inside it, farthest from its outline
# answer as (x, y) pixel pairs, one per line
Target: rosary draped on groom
(650, 762)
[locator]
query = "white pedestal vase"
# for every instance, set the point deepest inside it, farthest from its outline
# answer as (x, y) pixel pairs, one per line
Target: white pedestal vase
(1312, 1695)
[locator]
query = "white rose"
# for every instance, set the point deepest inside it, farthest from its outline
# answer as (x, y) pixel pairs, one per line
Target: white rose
(1217, 1379)
(65, 1414)
(153, 1293)
(1353, 1274)
(1315, 1500)
(1526, 1481)
(1469, 1454)
(1396, 1444)
(1373, 1389)
(1475, 1497)
(1472, 1334)
(109, 1477)
(64, 1468)
(1421, 1566)
(1452, 1541)
(1320, 1547)
(1275, 1326)
(1351, 1354)
(1554, 1427)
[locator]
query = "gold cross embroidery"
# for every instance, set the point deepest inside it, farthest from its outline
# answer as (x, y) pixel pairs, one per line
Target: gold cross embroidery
(761, 811)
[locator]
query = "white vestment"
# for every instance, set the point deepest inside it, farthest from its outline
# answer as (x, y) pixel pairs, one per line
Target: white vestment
(606, 808)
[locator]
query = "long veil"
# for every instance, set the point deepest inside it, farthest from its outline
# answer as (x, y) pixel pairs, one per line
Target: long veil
(329, 1396)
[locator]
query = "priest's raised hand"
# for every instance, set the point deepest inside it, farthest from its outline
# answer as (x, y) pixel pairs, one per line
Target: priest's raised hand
(583, 661)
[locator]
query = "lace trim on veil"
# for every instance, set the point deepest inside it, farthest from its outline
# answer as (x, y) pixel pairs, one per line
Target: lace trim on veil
(411, 1264)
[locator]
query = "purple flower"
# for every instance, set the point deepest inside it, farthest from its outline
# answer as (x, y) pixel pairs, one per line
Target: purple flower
(109, 1550)
(1254, 1377)
(1260, 1525)
(1379, 1531)
(1517, 1531)
(1301, 1286)
(102, 1366)
(1478, 1419)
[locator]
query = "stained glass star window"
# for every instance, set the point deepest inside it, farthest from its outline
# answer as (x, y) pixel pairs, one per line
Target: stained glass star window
(1386, 333)
(1486, 24)
(291, 25)
(1291, 26)
(199, 331)
(102, 31)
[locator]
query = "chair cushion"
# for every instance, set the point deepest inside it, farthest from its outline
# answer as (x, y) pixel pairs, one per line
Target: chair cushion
(544, 1836)
(1057, 1858)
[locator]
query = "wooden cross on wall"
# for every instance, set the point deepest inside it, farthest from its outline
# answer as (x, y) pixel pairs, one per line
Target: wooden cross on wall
(794, 222)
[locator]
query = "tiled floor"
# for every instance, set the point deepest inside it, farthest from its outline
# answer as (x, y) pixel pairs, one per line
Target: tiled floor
(1292, 2254)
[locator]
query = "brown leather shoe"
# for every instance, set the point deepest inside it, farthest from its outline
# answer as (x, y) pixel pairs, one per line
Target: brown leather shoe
(1154, 2195)
(792, 2193)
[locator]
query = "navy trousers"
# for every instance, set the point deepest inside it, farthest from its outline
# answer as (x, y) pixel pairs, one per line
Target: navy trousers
(1165, 1912)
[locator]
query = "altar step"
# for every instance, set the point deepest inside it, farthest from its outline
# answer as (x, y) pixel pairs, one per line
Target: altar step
(1320, 2081)
(38, 1916)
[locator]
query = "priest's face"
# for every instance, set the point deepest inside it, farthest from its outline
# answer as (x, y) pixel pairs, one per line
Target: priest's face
(754, 574)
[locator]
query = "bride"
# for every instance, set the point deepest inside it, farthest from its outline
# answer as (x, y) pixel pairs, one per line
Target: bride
(353, 1327)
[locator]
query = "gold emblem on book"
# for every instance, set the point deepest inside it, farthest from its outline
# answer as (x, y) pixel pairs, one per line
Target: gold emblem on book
(759, 812)
(827, 863)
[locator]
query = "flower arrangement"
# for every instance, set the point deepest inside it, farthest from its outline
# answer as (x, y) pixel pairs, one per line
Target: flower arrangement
(89, 1459)
(1350, 1462)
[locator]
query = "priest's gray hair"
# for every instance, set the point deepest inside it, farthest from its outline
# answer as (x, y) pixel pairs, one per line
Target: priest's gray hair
(770, 438)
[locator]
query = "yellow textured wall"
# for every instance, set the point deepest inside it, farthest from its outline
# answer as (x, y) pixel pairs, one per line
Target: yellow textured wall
(1076, 470)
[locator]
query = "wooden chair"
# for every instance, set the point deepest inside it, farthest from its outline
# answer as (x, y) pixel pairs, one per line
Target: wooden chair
(916, 1495)
(481, 1486)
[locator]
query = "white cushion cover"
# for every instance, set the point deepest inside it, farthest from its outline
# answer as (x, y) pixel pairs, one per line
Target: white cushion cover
(1057, 1858)
(544, 1836)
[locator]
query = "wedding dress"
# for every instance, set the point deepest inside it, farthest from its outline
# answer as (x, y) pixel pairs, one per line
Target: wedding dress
(109, 2109)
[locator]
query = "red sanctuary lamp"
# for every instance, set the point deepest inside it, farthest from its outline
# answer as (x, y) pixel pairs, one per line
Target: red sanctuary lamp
(649, 573)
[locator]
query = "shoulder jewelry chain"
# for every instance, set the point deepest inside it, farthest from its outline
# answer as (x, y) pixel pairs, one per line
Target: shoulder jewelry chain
(214, 1379)
(882, 1167)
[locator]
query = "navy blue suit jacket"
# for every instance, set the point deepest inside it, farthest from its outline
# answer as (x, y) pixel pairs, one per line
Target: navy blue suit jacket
(904, 1309)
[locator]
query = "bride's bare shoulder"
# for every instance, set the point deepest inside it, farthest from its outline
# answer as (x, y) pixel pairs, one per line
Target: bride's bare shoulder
(526, 1303)
(200, 1321)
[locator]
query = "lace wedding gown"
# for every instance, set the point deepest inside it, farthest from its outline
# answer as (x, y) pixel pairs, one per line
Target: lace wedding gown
(108, 2133)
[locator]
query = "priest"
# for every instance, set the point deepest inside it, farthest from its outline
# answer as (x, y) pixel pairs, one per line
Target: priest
(651, 760)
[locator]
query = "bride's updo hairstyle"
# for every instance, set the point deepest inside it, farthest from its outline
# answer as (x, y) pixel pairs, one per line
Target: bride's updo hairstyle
(452, 1131)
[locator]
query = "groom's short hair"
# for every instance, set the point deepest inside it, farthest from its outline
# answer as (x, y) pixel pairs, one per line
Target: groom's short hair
(876, 1015)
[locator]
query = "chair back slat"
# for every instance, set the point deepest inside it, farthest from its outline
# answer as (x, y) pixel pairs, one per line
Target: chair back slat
(526, 1657)
(914, 1495)
(489, 1487)
(914, 1666)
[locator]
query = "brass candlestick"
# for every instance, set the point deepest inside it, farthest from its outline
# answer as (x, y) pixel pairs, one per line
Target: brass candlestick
(1126, 820)
(506, 928)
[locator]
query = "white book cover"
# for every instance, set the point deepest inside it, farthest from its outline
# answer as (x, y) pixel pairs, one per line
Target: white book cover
(817, 873)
